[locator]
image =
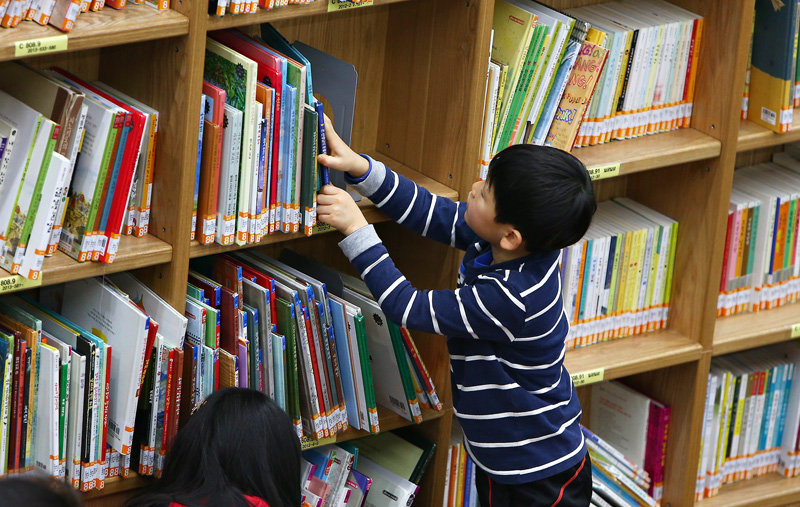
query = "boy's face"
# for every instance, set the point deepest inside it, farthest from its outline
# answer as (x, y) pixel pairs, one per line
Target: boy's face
(480, 214)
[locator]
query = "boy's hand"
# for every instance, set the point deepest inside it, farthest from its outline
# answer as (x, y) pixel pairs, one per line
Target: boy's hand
(341, 157)
(336, 208)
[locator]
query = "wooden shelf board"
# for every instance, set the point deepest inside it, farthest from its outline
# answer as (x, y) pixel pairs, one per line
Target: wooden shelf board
(652, 151)
(388, 421)
(752, 136)
(749, 330)
(288, 12)
(118, 484)
(371, 213)
(109, 27)
(769, 490)
(634, 354)
(133, 253)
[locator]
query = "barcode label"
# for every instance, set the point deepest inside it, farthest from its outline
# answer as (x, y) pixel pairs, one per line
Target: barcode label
(397, 403)
(768, 116)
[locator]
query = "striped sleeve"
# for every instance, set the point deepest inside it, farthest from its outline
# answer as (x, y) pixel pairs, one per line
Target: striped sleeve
(407, 203)
(489, 309)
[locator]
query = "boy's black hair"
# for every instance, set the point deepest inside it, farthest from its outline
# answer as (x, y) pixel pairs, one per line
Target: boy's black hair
(544, 192)
(37, 491)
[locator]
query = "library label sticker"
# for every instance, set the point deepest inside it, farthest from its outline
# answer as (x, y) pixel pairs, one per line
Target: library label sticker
(796, 330)
(17, 282)
(307, 443)
(340, 5)
(588, 377)
(40, 46)
(600, 172)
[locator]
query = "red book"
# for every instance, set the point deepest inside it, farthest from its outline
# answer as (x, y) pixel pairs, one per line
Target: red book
(167, 408)
(317, 365)
(175, 394)
(100, 478)
(17, 389)
(270, 73)
(229, 321)
(130, 156)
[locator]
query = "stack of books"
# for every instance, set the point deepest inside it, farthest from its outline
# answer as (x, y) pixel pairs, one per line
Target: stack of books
(590, 74)
(459, 483)
(761, 262)
(617, 279)
(367, 471)
(627, 444)
(69, 404)
(62, 14)
(222, 7)
(772, 80)
(260, 132)
(752, 418)
(76, 168)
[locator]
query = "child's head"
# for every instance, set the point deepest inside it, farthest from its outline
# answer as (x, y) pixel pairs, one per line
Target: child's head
(38, 491)
(544, 193)
(238, 442)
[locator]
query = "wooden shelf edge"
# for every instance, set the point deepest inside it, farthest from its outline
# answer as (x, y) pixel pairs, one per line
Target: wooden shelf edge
(133, 253)
(750, 330)
(289, 12)
(109, 27)
(651, 151)
(634, 354)
(771, 490)
(753, 136)
(371, 213)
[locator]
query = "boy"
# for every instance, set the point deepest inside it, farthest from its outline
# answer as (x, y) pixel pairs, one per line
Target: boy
(505, 322)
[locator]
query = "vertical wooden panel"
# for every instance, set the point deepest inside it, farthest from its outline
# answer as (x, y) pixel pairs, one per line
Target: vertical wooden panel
(683, 388)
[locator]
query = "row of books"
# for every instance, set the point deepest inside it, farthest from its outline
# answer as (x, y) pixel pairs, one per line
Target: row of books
(639, 60)
(459, 483)
(751, 419)
(76, 167)
(627, 443)
(62, 14)
(260, 131)
(69, 405)
(323, 350)
(617, 279)
(222, 7)
(772, 79)
(761, 261)
(380, 470)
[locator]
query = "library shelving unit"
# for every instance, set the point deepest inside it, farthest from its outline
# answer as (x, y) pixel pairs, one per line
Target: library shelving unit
(422, 70)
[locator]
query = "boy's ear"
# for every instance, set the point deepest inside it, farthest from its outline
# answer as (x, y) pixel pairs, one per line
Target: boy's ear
(511, 240)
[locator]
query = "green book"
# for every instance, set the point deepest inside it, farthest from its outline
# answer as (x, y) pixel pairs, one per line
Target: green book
(286, 326)
(308, 179)
(405, 373)
(366, 373)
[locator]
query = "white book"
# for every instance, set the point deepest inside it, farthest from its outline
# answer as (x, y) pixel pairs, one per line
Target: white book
(171, 323)
(386, 378)
(47, 410)
(6, 391)
(489, 109)
(9, 131)
(65, 354)
(159, 353)
(229, 177)
(388, 489)
(75, 146)
(75, 434)
(351, 311)
(26, 120)
(95, 306)
(255, 190)
(337, 476)
(51, 193)
(619, 416)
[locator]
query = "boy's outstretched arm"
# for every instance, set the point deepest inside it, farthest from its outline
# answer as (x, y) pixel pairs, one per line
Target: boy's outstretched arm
(404, 201)
(491, 304)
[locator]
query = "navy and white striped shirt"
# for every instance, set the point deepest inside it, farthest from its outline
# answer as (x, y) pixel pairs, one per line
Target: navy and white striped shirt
(505, 325)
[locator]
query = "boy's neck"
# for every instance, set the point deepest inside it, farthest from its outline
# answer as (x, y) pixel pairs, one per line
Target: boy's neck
(500, 254)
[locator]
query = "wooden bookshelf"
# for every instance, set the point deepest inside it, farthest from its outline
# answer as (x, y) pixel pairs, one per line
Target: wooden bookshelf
(134, 23)
(753, 136)
(421, 76)
(650, 152)
(770, 490)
